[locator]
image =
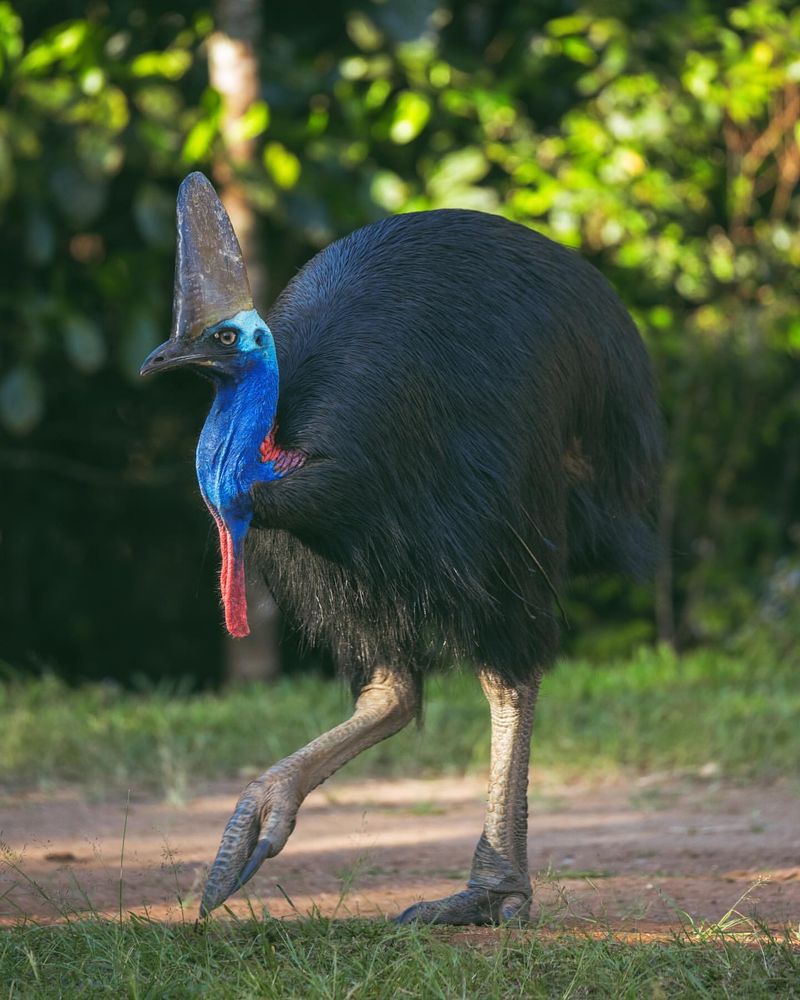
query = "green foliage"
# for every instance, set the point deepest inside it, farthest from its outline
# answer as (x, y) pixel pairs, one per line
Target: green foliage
(662, 141)
(654, 712)
(91, 117)
(368, 960)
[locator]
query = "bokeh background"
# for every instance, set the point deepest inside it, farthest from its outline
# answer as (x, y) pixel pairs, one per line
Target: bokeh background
(659, 138)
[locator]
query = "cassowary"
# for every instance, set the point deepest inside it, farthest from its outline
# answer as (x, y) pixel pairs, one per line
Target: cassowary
(441, 416)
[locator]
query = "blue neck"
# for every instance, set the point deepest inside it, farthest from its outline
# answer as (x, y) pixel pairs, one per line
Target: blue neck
(242, 414)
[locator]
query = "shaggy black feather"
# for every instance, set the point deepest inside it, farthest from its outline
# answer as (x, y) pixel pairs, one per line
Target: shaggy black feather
(480, 418)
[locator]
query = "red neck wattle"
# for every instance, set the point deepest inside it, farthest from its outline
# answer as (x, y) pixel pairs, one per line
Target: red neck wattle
(231, 581)
(232, 514)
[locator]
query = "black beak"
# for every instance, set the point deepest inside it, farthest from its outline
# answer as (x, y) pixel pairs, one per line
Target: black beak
(176, 353)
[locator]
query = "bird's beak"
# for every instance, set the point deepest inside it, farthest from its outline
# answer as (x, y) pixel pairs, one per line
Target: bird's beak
(175, 353)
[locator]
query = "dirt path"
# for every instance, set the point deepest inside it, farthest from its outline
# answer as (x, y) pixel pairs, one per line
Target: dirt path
(627, 855)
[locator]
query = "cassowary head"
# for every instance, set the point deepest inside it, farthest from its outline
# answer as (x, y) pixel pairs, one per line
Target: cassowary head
(217, 331)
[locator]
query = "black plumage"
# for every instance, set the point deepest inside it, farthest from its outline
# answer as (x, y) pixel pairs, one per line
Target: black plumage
(479, 417)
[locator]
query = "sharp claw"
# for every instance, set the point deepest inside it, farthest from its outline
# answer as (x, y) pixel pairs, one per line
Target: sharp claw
(256, 831)
(262, 851)
(212, 898)
(223, 879)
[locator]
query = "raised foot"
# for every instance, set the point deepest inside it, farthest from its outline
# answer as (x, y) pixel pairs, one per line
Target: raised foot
(258, 829)
(471, 906)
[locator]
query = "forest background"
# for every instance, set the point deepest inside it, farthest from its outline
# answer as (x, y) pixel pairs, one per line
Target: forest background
(660, 139)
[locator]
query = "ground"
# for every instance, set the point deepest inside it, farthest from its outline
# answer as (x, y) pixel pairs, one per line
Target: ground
(634, 854)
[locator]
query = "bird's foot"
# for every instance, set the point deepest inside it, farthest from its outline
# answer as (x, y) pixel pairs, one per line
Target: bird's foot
(258, 829)
(471, 906)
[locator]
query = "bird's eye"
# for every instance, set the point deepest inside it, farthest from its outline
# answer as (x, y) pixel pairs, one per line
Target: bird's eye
(226, 337)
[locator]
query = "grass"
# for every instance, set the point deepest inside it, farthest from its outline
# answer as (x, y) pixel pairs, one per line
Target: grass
(318, 958)
(711, 712)
(656, 711)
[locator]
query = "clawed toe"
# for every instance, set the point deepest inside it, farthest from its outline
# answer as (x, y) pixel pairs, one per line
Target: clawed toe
(238, 843)
(257, 830)
(471, 906)
(514, 907)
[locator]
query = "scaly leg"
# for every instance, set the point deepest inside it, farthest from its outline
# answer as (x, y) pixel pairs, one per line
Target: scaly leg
(499, 886)
(267, 808)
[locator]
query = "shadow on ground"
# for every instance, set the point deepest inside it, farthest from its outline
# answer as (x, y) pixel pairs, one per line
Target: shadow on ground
(632, 855)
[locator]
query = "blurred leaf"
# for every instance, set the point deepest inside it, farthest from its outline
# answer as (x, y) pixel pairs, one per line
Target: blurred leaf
(92, 81)
(283, 165)
(405, 20)
(171, 64)
(204, 131)
(197, 145)
(377, 94)
(363, 31)
(84, 344)
(40, 238)
(457, 170)
(388, 190)
(410, 117)
(160, 101)
(21, 400)
(58, 44)
(252, 123)
(11, 44)
(579, 51)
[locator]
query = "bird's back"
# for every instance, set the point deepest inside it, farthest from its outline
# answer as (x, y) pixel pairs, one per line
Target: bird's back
(478, 410)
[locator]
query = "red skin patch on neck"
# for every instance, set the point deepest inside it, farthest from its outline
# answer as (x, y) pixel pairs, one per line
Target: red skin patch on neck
(231, 582)
(231, 574)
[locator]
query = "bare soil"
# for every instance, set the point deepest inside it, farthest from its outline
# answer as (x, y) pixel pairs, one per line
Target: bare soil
(633, 856)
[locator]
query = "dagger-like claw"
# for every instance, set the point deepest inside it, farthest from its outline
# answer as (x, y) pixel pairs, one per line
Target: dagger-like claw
(258, 829)
(257, 858)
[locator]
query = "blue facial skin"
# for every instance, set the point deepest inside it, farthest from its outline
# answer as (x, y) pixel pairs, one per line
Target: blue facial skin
(243, 412)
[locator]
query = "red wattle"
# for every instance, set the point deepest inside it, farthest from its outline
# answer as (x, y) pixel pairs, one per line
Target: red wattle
(231, 583)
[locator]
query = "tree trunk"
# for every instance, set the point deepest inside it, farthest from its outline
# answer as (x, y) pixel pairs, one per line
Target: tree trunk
(233, 71)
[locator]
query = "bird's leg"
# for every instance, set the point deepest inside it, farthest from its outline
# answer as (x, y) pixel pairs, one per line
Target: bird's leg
(267, 808)
(499, 887)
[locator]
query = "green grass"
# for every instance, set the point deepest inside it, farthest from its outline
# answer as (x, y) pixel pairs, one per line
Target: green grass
(655, 711)
(317, 958)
